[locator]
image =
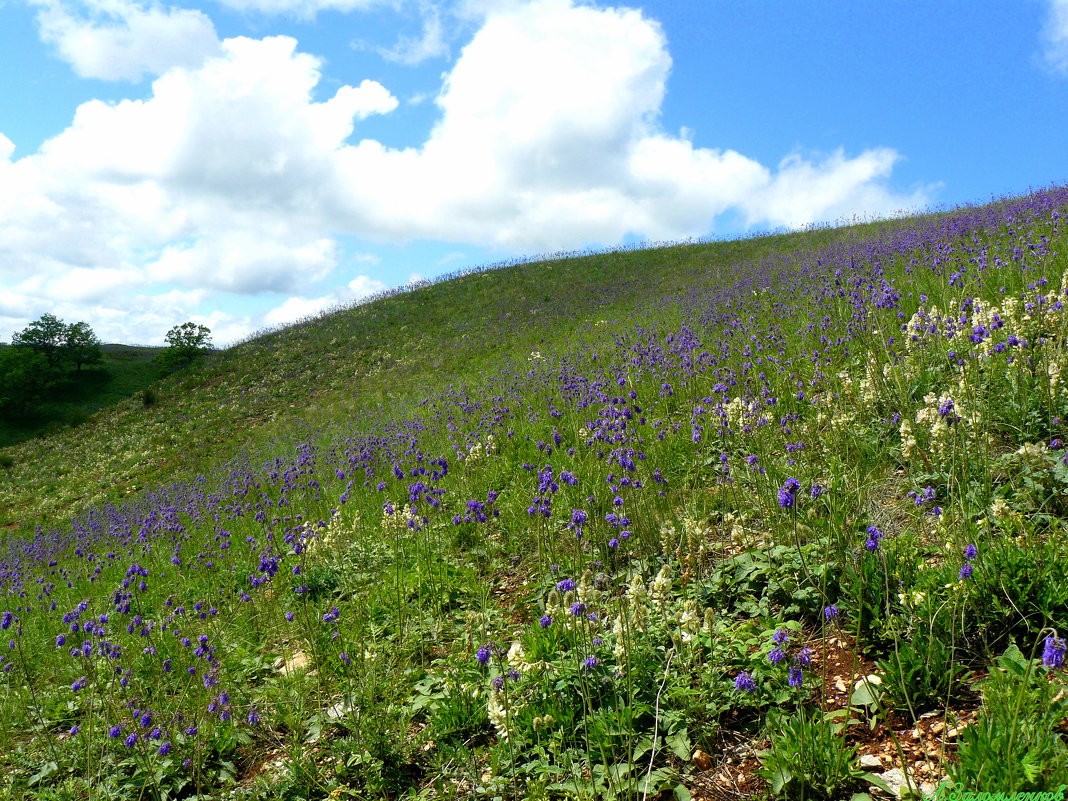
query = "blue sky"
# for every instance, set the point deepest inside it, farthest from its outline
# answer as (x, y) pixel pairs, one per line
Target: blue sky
(244, 163)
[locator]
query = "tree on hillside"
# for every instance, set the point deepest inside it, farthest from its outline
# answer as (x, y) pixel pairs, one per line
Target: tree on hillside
(21, 374)
(40, 358)
(82, 346)
(185, 343)
(45, 335)
(61, 344)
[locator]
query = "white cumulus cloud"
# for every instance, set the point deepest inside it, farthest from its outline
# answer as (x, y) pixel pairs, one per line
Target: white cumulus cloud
(121, 40)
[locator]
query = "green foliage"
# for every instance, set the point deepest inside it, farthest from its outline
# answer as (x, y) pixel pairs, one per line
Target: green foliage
(921, 674)
(39, 361)
(761, 582)
(1018, 591)
(81, 345)
(1017, 744)
(809, 757)
(46, 335)
(22, 372)
(185, 343)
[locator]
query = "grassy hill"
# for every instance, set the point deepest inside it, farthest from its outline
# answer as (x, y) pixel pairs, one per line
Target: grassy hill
(712, 520)
(123, 371)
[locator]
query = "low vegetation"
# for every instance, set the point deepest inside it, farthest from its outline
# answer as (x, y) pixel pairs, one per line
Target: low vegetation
(777, 517)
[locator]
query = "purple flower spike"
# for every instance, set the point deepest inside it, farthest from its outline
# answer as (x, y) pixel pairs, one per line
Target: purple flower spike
(796, 676)
(743, 682)
(483, 655)
(970, 552)
(830, 612)
(788, 493)
(965, 571)
(1053, 652)
(546, 621)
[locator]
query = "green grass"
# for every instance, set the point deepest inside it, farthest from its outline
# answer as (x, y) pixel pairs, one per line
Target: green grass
(542, 531)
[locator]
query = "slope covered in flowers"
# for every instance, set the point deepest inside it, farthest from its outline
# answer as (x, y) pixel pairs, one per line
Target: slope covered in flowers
(591, 533)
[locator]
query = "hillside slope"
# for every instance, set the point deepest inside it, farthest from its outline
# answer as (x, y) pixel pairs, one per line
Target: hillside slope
(349, 365)
(710, 521)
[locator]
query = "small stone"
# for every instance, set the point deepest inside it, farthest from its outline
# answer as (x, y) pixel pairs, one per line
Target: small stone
(701, 760)
(840, 685)
(870, 761)
(896, 781)
(937, 727)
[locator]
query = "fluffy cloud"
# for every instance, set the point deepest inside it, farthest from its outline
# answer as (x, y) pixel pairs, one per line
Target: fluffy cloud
(122, 40)
(1056, 35)
(549, 137)
(231, 176)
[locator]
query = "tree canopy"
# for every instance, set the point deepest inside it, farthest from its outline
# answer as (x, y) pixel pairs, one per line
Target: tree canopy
(41, 356)
(185, 343)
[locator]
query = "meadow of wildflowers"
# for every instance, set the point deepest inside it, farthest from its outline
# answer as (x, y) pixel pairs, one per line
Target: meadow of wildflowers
(619, 525)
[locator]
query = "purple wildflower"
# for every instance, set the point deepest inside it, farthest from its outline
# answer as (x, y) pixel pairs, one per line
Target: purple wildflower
(788, 493)
(743, 682)
(1053, 652)
(796, 676)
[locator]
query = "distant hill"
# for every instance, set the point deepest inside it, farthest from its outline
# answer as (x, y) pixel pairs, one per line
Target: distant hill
(124, 371)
